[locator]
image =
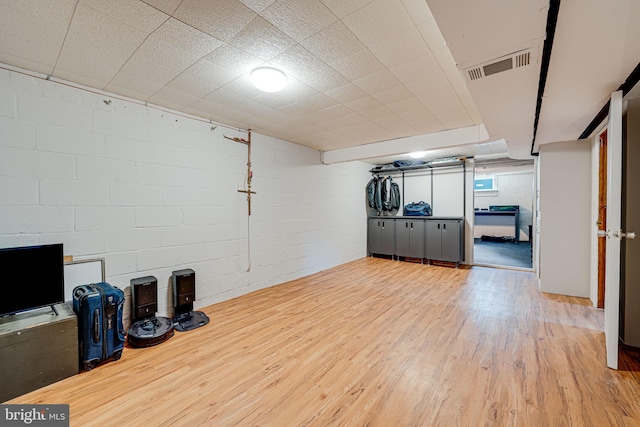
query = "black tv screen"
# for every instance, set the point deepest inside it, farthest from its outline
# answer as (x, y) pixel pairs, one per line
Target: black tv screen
(32, 277)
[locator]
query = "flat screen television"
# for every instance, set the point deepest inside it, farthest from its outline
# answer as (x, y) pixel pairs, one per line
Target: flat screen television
(31, 277)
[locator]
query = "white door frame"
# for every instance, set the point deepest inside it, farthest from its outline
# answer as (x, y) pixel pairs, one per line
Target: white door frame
(614, 232)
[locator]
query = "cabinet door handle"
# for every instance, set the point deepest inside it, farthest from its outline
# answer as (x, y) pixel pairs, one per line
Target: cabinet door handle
(412, 226)
(378, 223)
(406, 224)
(438, 226)
(444, 226)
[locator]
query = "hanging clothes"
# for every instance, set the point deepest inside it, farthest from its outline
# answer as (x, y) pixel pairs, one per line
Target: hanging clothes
(383, 195)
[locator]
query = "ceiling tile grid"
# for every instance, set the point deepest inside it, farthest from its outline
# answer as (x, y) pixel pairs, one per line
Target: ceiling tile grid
(359, 71)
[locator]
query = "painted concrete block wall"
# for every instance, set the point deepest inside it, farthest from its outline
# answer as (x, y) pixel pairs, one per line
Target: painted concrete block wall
(446, 199)
(153, 192)
(565, 212)
(514, 186)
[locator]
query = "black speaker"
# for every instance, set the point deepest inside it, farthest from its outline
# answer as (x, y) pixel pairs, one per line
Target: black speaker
(184, 290)
(144, 297)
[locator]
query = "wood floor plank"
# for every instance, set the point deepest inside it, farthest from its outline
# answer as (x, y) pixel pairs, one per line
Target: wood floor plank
(372, 342)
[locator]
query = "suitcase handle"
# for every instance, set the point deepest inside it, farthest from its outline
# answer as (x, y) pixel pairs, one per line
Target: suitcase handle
(96, 326)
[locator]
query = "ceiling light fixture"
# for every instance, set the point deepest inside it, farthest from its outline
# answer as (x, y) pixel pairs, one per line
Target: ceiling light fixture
(418, 154)
(268, 79)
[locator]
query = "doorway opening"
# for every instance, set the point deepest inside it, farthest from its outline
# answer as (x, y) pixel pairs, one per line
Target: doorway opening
(503, 213)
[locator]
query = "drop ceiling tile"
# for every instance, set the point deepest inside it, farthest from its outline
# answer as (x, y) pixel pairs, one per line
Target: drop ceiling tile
(426, 124)
(401, 48)
(222, 19)
(203, 73)
(454, 119)
(333, 43)
(233, 59)
(27, 64)
(406, 106)
(393, 95)
(82, 78)
(39, 22)
(23, 53)
(238, 89)
(346, 93)
(296, 110)
(352, 119)
(440, 101)
(429, 84)
(301, 64)
(342, 8)
(379, 81)
(258, 5)
(380, 113)
(172, 98)
(262, 39)
(275, 101)
(418, 10)
(378, 21)
(133, 86)
(185, 38)
(192, 86)
(432, 35)
(416, 68)
(148, 71)
(132, 13)
(89, 71)
(109, 54)
(166, 6)
(299, 20)
(334, 111)
(446, 61)
(91, 30)
(317, 102)
(358, 65)
(154, 51)
(363, 104)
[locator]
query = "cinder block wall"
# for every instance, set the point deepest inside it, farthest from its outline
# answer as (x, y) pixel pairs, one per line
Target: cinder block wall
(152, 192)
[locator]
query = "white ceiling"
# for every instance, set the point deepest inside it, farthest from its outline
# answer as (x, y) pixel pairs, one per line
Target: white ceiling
(360, 71)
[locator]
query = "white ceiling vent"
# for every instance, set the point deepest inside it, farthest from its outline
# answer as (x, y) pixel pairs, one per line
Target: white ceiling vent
(515, 60)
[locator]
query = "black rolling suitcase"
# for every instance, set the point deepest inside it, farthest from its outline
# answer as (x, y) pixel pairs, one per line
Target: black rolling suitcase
(100, 329)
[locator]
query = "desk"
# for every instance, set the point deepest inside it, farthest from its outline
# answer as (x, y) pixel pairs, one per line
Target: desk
(500, 218)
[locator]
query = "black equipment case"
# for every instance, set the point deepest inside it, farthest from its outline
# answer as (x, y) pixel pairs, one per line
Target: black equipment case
(100, 329)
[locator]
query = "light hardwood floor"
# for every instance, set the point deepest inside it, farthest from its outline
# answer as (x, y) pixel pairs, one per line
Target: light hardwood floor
(373, 342)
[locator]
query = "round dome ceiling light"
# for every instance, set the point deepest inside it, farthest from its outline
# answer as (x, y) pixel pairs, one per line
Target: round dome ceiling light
(418, 154)
(268, 79)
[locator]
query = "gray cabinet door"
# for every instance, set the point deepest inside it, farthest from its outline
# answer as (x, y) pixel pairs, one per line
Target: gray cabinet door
(410, 238)
(381, 236)
(433, 244)
(373, 236)
(450, 232)
(387, 237)
(403, 238)
(416, 241)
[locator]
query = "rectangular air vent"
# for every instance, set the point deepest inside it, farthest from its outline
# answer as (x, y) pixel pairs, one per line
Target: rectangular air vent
(475, 73)
(499, 65)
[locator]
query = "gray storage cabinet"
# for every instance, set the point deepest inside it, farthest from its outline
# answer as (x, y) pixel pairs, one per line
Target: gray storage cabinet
(37, 348)
(381, 236)
(410, 238)
(443, 240)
